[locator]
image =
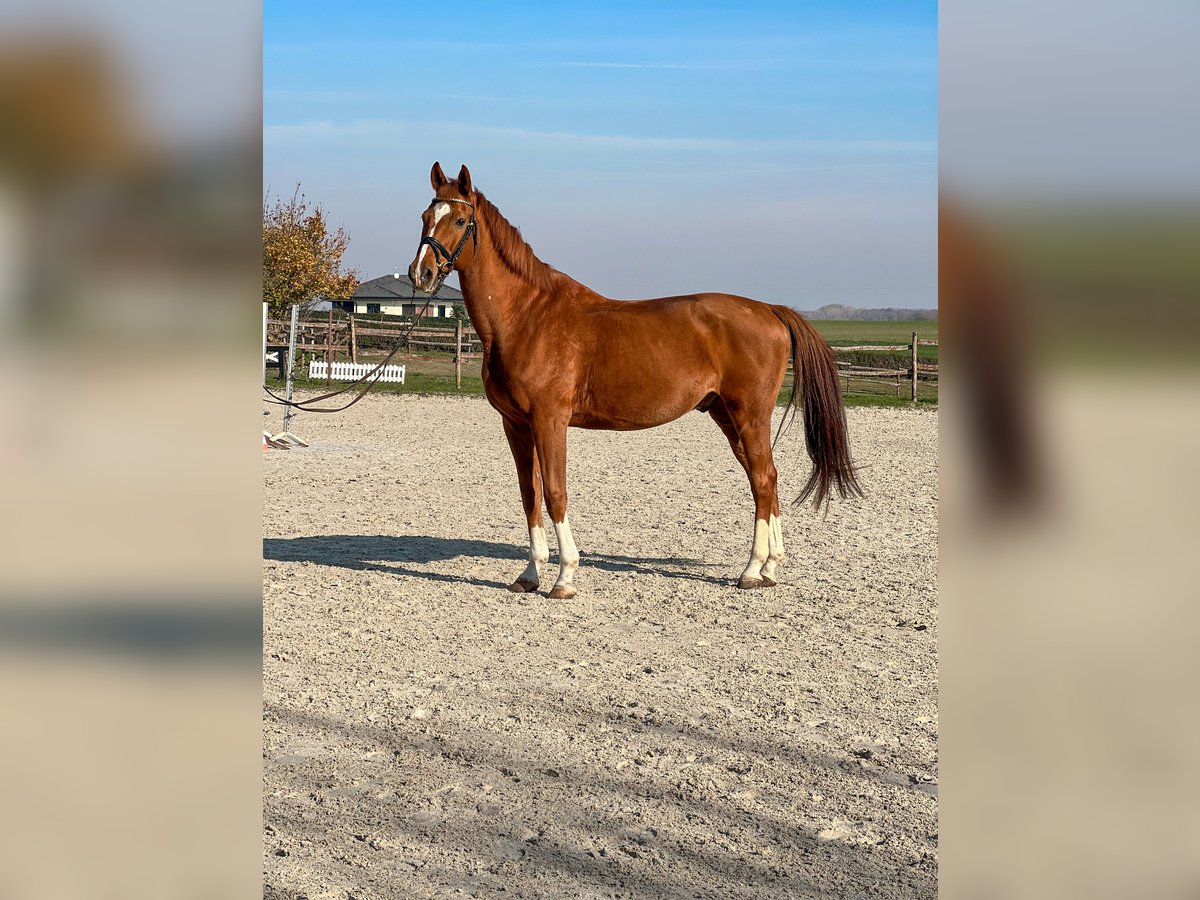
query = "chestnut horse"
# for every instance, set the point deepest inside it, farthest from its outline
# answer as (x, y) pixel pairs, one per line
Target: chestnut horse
(557, 354)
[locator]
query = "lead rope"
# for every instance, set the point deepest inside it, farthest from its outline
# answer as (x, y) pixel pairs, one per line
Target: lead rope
(375, 374)
(446, 262)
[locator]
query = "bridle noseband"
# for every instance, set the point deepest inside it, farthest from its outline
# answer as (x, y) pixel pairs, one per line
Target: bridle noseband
(445, 259)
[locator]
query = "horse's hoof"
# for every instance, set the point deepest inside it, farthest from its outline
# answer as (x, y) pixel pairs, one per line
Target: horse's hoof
(749, 584)
(521, 586)
(561, 592)
(768, 581)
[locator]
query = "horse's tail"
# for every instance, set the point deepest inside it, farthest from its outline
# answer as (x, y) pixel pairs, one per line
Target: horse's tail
(815, 386)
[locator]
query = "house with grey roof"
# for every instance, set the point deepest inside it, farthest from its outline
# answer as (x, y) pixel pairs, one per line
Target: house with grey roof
(393, 295)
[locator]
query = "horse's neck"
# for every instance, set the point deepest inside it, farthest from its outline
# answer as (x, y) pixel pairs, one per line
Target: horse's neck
(499, 300)
(493, 294)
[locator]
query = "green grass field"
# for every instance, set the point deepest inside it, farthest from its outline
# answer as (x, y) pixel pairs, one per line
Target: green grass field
(433, 373)
(850, 333)
(877, 392)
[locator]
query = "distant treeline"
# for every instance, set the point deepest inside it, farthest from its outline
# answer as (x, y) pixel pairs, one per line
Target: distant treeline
(837, 311)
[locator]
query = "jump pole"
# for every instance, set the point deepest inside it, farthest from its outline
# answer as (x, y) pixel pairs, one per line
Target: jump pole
(291, 365)
(286, 436)
(264, 371)
(268, 442)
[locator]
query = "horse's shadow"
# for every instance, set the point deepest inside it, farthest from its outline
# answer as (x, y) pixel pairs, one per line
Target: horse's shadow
(391, 553)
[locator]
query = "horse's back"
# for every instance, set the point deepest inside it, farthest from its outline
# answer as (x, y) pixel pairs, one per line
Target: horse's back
(649, 361)
(723, 324)
(713, 309)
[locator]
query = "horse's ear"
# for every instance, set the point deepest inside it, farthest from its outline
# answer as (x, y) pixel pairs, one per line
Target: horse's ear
(436, 176)
(464, 181)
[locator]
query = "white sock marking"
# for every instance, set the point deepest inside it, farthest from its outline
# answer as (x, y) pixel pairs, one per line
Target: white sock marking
(568, 555)
(775, 546)
(759, 550)
(539, 554)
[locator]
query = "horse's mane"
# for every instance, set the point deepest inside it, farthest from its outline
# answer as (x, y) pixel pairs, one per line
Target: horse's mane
(513, 250)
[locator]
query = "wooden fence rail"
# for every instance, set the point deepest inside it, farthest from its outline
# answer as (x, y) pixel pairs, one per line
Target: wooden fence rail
(912, 374)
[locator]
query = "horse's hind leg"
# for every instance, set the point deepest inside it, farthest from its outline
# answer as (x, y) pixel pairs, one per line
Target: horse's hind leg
(520, 441)
(720, 415)
(770, 569)
(767, 550)
(750, 438)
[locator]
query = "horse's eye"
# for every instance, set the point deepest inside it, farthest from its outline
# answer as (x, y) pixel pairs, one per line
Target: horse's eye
(462, 222)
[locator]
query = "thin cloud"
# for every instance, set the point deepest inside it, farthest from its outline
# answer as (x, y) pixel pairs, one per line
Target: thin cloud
(536, 100)
(402, 128)
(317, 95)
(767, 168)
(713, 66)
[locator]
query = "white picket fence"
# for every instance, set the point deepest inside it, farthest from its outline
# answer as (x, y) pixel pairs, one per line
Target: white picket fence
(347, 371)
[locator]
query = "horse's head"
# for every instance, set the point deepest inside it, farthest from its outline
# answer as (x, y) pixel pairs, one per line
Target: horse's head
(448, 230)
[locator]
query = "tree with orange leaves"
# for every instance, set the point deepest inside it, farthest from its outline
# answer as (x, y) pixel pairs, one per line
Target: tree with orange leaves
(302, 258)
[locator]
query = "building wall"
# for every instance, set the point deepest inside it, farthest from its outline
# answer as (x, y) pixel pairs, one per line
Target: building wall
(436, 310)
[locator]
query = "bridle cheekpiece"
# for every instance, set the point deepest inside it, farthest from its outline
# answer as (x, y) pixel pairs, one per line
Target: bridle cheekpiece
(445, 259)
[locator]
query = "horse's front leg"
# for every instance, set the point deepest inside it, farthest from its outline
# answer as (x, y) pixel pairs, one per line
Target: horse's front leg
(520, 441)
(550, 437)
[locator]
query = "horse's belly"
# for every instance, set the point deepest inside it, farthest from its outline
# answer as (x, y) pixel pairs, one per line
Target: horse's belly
(628, 404)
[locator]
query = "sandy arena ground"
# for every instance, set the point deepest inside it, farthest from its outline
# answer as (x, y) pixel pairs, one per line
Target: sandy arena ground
(428, 734)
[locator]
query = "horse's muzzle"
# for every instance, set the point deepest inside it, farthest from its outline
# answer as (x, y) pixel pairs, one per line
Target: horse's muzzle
(421, 275)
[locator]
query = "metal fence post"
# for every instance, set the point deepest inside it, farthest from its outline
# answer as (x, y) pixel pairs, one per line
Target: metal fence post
(329, 348)
(291, 365)
(264, 346)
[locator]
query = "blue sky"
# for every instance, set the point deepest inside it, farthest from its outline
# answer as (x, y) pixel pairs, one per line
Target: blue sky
(784, 151)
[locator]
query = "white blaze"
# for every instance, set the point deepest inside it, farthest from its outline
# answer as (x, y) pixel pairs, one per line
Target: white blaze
(439, 213)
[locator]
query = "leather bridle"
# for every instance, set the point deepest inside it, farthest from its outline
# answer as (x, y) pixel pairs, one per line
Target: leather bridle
(445, 259)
